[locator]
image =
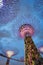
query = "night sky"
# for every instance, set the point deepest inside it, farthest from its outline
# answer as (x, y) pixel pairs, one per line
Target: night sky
(13, 14)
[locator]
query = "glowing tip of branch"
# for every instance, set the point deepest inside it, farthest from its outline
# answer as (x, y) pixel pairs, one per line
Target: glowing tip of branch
(9, 53)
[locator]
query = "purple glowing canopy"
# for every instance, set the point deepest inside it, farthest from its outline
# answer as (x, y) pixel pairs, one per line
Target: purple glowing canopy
(26, 29)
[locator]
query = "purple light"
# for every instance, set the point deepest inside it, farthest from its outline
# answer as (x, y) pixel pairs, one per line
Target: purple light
(41, 49)
(26, 29)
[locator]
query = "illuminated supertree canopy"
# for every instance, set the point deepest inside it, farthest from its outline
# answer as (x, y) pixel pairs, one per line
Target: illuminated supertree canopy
(26, 29)
(10, 51)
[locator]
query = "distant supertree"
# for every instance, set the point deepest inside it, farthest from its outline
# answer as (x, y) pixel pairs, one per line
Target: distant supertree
(8, 53)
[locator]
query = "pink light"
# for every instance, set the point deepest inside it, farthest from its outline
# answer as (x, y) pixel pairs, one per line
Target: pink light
(26, 29)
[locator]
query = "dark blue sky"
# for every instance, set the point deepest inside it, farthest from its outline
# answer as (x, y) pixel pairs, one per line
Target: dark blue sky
(13, 16)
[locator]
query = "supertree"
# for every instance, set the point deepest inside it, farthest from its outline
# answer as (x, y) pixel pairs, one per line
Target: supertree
(31, 53)
(8, 53)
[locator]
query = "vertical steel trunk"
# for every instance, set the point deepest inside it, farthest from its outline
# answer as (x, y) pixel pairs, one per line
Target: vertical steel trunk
(31, 52)
(8, 60)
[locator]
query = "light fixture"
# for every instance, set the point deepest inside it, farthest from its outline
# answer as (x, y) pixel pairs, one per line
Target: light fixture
(9, 53)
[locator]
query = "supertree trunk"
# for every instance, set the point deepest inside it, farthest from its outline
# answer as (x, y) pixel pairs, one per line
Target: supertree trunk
(31, 52)
(8, 60)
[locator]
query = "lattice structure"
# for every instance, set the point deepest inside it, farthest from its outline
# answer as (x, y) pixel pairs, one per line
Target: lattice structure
(31, 53)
